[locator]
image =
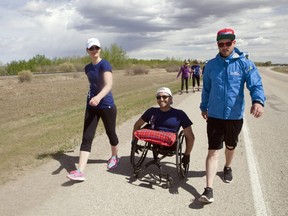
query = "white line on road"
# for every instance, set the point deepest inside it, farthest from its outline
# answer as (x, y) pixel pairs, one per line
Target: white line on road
(259, 202)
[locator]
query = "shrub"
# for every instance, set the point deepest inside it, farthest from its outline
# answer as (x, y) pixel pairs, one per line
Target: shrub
(3, 71)
(137, 70)
(79, 67)
(172, 68)
(25, 76)
(67, 67)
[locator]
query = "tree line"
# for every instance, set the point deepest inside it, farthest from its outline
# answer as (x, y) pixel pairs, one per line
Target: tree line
(114, 54)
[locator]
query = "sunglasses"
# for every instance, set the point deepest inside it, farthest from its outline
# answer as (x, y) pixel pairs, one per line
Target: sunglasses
(162, 96)
(94, 48)
(228, 44)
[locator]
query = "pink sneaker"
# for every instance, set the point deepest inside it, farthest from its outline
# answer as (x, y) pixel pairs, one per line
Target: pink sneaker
(76, 175)
(112, 162)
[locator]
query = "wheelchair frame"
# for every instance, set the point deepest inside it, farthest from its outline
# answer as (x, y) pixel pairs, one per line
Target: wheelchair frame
(140, 148)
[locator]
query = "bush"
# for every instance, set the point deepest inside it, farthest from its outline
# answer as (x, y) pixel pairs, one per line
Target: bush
(79, 67)
(3, 71)
(137, 70)
(67, 67)
(25, 76)
(172, 68)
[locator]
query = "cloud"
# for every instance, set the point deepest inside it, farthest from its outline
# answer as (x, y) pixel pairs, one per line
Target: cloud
(146, 29)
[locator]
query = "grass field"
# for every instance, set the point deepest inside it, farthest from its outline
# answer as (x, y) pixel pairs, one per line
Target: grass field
(45, 117)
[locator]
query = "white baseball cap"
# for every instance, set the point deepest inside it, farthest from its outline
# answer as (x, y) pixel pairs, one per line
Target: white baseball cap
(92, 42)
(164, 90)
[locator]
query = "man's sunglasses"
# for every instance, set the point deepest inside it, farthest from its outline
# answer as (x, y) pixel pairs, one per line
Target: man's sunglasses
(162, 96)
(228, 44)
(94, 48)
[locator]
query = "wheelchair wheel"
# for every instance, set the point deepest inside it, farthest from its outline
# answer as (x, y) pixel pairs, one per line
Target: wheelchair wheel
(138, 154)
(180, 150)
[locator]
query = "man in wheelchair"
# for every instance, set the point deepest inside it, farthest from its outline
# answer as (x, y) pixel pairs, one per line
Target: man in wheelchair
(168, 119)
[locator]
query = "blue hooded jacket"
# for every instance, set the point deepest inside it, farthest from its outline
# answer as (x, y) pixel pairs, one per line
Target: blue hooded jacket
(223, 86)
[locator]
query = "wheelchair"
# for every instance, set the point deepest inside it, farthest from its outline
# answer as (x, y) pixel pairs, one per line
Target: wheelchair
(139, 152)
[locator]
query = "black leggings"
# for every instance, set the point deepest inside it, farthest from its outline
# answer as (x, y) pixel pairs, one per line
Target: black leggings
(91, 120)
(197, 79)
(186, 83)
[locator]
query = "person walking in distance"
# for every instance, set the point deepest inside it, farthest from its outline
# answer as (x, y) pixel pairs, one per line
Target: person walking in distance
(100, 105)
(196, 75)
(222, 104)
(184, 72)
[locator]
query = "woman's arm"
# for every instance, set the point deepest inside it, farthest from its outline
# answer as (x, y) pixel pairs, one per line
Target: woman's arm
(108, 82)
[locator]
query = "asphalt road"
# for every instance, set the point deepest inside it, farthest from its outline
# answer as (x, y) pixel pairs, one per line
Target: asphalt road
(259, 186)
(270, 149)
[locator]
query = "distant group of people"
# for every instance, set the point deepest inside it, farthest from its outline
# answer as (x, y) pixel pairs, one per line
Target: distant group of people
(222, 106)
(194, 72)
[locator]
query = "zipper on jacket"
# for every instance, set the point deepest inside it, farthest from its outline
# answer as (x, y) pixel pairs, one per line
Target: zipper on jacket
(225, 88)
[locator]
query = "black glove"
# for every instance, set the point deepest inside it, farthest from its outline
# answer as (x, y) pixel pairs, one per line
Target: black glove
(186, 160)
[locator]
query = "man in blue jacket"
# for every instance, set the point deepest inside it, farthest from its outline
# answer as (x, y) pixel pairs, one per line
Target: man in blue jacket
(223, 104)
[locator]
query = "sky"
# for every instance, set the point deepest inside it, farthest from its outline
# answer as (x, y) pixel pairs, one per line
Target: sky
(148, 29)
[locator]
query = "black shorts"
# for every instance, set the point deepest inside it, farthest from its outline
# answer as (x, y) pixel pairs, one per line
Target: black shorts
(220, 131)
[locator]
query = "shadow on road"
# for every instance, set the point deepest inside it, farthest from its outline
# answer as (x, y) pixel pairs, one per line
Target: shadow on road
(67, 162)
(149, 178)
